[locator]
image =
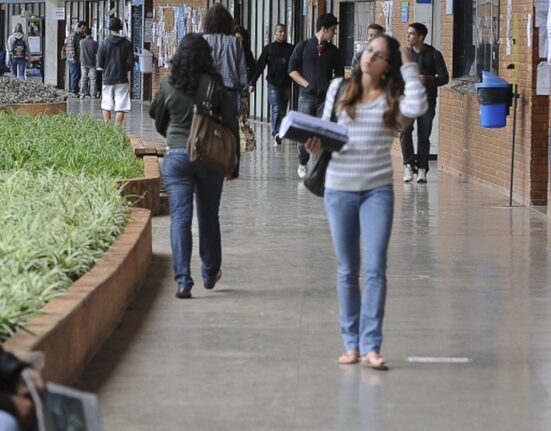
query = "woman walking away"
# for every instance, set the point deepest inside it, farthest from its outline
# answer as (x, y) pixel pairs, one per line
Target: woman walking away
(18, 52)
(383, 94)
(192, 71)
(227, 51)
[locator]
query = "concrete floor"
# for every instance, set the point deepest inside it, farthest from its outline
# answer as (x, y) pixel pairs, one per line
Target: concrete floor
(469, 279)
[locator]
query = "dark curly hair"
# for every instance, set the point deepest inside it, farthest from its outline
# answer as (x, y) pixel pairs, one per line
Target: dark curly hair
(218, 20)
(191, 60)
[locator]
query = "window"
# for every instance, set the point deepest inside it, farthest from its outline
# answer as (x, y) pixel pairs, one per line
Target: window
(476, 38)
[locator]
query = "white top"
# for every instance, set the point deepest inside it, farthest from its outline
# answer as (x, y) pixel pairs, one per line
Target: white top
(365, 162)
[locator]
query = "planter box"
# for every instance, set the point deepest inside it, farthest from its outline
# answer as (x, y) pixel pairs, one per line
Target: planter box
(37, 108)
(147, 146)
(71, 328)
(147, 189)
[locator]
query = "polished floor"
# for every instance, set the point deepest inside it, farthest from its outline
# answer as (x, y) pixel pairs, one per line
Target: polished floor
(467, 327)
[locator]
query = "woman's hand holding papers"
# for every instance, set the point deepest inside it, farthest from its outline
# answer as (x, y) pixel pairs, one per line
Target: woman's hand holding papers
(313, 146)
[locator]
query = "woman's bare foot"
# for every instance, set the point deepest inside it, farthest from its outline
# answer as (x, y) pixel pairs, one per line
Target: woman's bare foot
(349, 357)
(374, 360)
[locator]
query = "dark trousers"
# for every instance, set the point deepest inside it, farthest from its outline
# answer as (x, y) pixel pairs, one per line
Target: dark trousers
(310, 105)
(424, 129)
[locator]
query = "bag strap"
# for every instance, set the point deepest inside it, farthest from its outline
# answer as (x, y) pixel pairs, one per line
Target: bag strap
(207, 103)
(338, 95)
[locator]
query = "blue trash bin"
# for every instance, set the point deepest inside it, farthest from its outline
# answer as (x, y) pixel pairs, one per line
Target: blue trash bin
(494, 97)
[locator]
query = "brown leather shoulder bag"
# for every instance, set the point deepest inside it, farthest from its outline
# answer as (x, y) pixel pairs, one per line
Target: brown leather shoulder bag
(211, 142)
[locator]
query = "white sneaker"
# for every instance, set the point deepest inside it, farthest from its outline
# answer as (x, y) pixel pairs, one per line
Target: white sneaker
(422, 176)
(301, 171)
(277, 141)
(408, 173)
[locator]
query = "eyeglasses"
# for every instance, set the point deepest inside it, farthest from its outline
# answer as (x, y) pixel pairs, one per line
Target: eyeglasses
(376, 54)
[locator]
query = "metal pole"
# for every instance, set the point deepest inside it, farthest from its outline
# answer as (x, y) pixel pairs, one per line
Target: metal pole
(515, 104)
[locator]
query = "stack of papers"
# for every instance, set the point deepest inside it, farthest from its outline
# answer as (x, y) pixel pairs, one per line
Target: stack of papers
(299, 127)
(61, 408)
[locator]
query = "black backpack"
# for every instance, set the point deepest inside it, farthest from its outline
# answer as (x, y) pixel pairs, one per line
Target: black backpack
(19, 49)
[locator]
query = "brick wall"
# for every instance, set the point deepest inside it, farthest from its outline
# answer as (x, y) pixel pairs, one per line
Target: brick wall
(158, 74)
(484, 155)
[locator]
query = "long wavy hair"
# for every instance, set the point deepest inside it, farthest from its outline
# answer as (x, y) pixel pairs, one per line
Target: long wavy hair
(218, 20)
(190, 61)
(392, 81)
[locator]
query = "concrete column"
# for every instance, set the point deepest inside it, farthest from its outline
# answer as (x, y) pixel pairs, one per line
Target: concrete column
(50, 33)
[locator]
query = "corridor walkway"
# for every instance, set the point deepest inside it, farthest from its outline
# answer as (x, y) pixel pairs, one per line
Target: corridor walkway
(467, 327)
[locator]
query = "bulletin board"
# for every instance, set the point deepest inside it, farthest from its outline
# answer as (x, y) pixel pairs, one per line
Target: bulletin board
(170, 25)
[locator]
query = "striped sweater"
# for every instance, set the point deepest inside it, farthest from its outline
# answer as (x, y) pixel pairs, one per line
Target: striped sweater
(365, 162)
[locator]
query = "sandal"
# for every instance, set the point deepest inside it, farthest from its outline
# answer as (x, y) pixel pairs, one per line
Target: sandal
(375, 361)
(349, 357)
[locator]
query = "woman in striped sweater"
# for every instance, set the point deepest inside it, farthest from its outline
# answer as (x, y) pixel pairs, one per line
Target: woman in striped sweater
(382, 95)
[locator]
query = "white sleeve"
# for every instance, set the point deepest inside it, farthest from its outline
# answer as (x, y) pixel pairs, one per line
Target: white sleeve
(414, 101)
(330, 99)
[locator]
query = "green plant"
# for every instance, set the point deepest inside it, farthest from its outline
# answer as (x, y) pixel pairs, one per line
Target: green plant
(66, 143)
(53, 228)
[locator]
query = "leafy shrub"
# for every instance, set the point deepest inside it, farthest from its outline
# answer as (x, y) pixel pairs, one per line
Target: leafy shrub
(66, 143)
(53, 228)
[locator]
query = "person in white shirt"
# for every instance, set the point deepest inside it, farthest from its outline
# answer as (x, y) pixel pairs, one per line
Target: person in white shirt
(383, 94)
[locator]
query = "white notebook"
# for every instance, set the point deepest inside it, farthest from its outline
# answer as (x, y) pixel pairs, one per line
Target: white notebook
(298, 126)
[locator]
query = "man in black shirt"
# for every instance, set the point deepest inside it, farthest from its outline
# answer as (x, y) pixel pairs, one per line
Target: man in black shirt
(313, 64)
(276, 55)
(433, 74)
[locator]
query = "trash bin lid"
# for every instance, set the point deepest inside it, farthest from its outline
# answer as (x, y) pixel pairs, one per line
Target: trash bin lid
(503, 84)
(489, 78)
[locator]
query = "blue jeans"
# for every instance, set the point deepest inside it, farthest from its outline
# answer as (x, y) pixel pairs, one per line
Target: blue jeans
(424, 129)
(18, 68)
(278, 98)
(310, 105)
(74, 76)
(182, 180)
(360, 224)
(8, 422)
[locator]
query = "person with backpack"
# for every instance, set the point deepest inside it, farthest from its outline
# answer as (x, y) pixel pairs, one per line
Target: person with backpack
(276, 56)
(313, 64)
(18, 52)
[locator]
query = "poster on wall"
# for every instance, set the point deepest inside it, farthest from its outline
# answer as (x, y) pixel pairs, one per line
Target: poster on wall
(34, 44)
(449, 7)
(404, 11)
(387, 6)
(33, 27)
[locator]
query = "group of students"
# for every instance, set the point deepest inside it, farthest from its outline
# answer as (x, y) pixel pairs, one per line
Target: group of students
(114, 57)
(389, 87)
(80, 51)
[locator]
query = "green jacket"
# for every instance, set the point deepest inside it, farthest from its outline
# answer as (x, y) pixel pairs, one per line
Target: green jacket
(172, 110)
